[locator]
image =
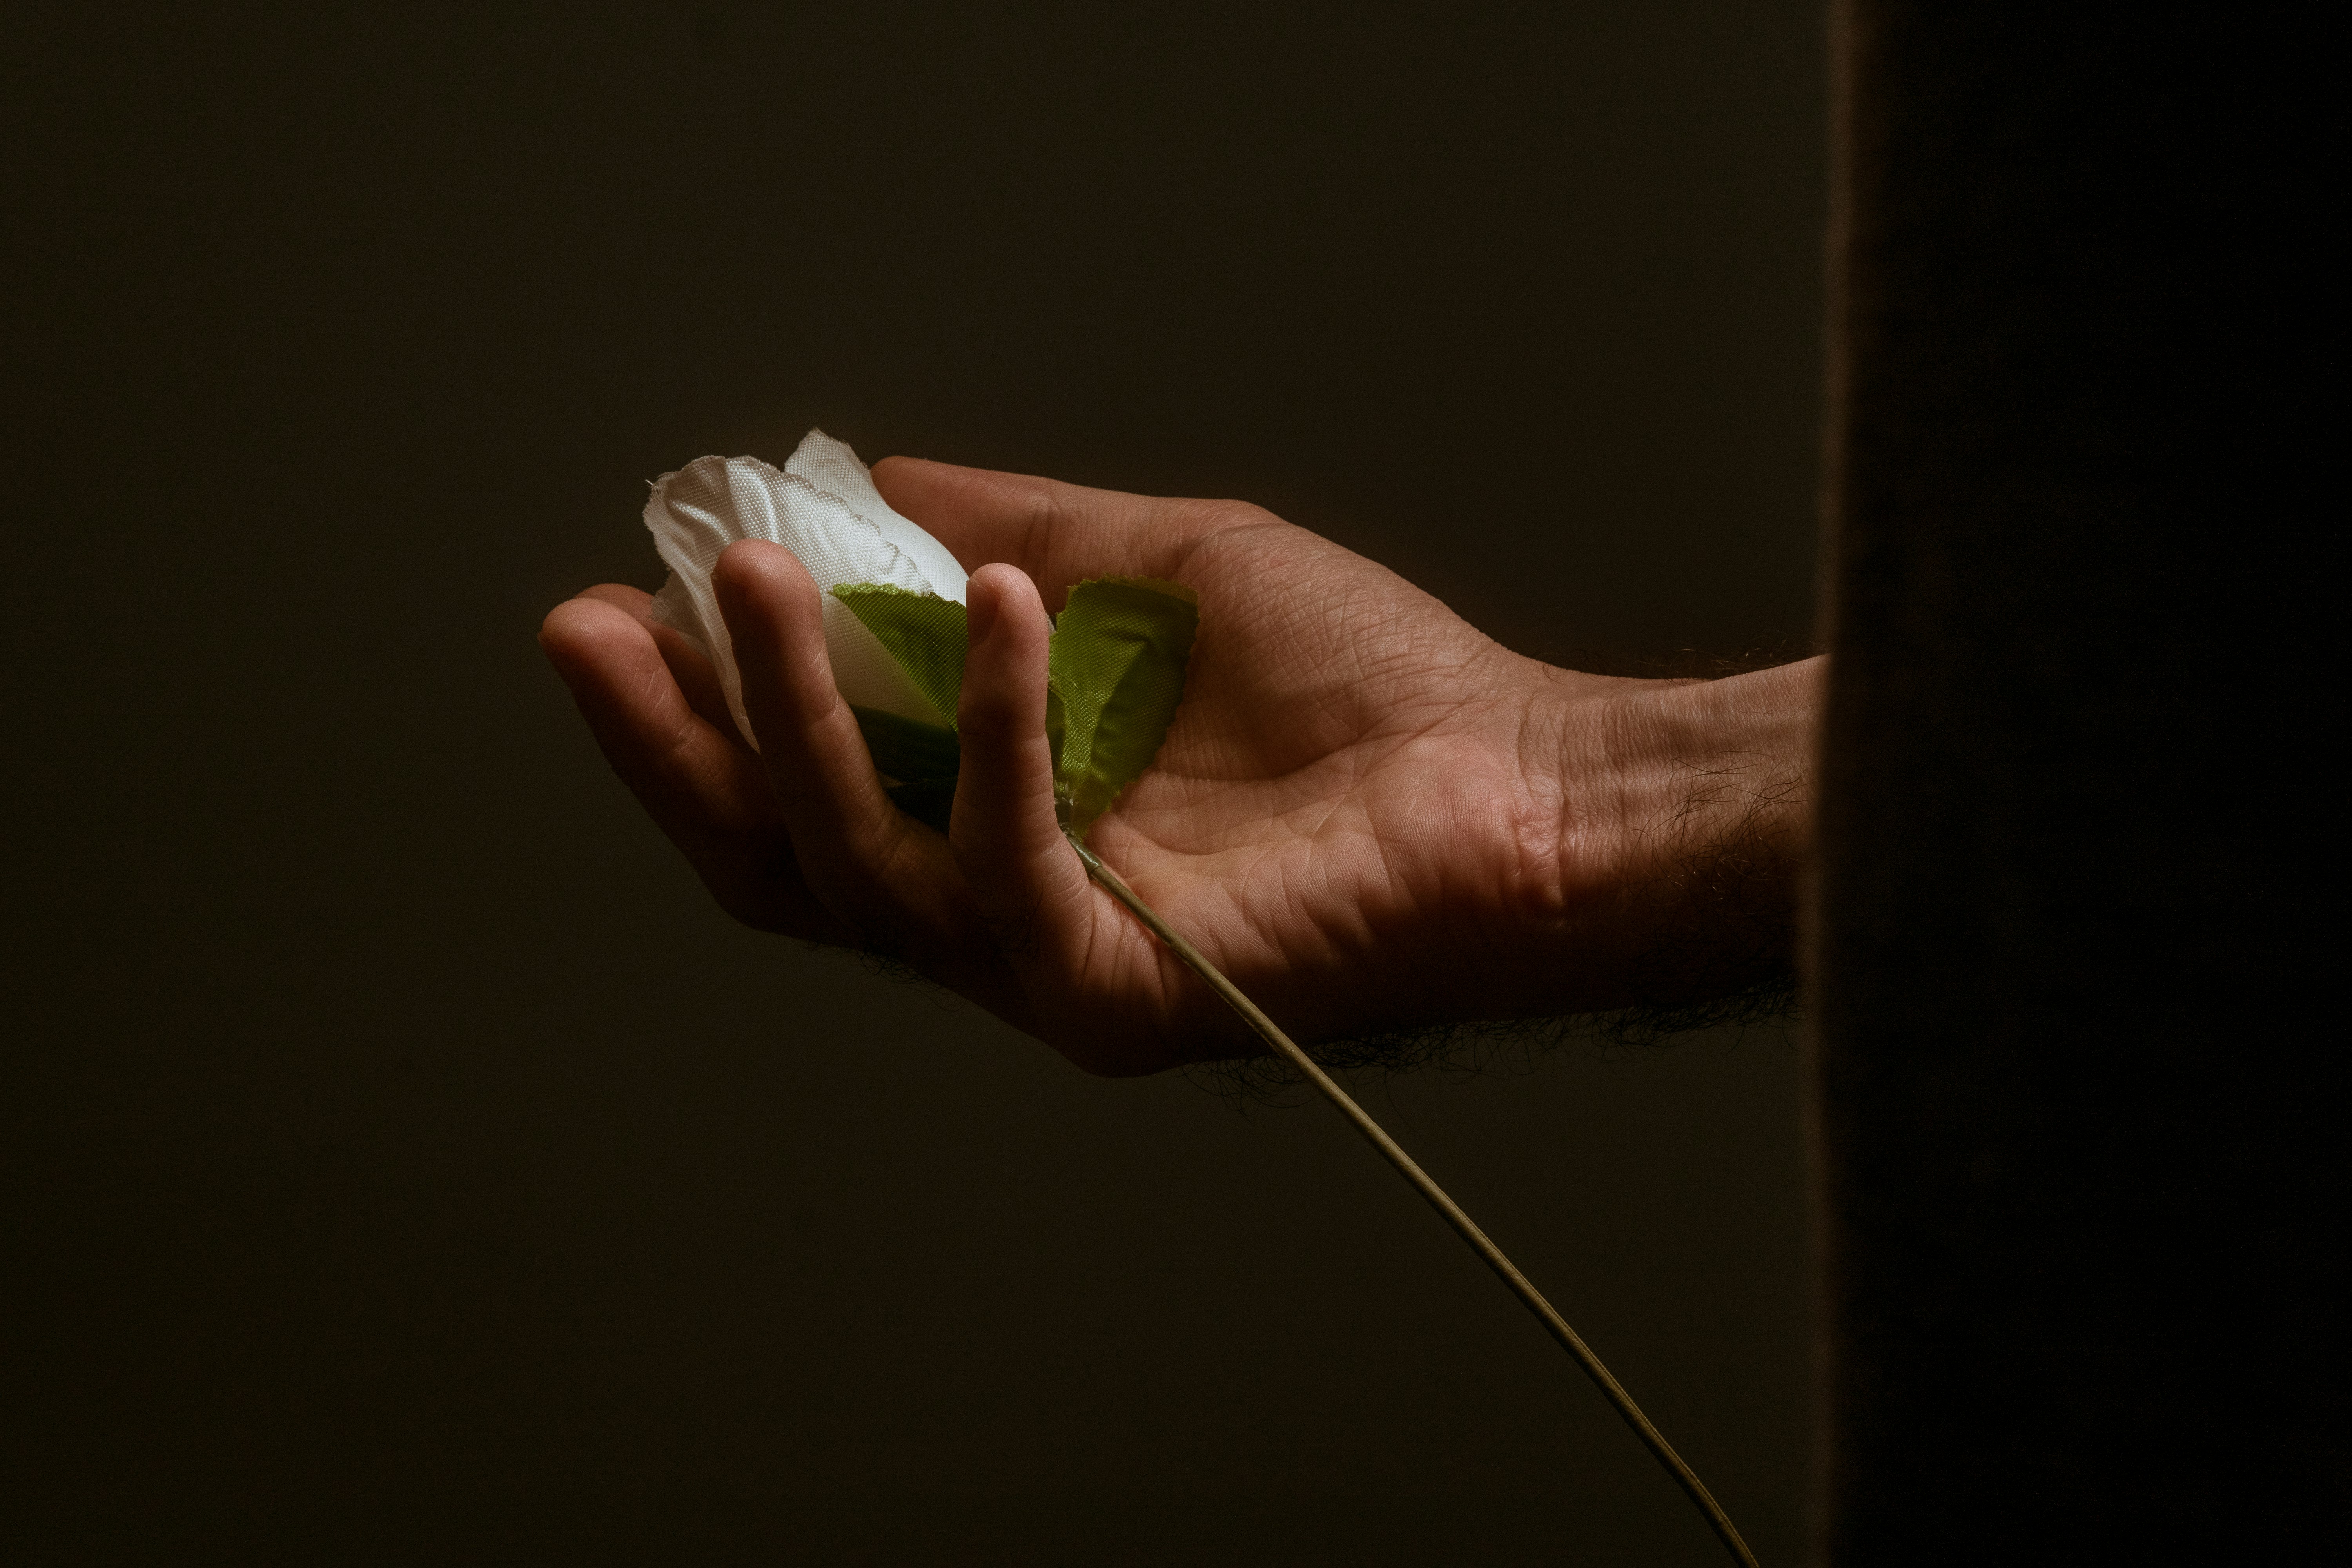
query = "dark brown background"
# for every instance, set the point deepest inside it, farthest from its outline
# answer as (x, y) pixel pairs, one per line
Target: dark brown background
(403, 1159)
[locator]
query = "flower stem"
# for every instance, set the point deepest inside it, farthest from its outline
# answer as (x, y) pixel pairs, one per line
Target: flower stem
(1451, 1212)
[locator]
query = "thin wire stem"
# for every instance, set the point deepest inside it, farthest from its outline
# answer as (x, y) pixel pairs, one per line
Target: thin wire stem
(1463, 1225)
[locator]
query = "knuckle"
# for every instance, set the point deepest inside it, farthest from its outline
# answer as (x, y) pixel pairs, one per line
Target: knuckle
(1207, 517)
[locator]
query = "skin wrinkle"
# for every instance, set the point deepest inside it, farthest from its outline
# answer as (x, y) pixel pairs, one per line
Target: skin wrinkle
(1185, 1008)
(1475, 886)
(1332, 934)
(1594, 828)
(1365, 760)
(1541, 832)
(1301, 779)
(1365, 934)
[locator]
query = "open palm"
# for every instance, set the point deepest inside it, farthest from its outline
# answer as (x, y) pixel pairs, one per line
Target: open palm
(1366, 812)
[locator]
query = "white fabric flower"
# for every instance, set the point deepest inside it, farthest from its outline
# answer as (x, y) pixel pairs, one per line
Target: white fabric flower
(824, 508)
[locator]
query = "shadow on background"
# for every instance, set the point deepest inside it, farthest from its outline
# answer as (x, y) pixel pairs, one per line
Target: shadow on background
(403, 1158)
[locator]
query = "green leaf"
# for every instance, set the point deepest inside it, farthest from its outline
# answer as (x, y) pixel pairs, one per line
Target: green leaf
(905, 749)
(1117, 667)
(1115, 674)
(925, 633)
(922, 631)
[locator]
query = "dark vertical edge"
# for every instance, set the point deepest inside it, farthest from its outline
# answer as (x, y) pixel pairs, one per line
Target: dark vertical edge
(2076, 1094)
(1838, 41)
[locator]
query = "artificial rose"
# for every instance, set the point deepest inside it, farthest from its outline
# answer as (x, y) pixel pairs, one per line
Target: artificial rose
(824, 508)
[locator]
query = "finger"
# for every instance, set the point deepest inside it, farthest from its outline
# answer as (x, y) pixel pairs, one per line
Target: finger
(633, 602)
(1024, 879)
(864, 857)
(1056, 534)
(689, 666)
(702, 788)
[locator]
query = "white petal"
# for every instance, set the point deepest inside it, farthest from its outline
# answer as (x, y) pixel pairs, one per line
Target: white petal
(834, 469)
(674, 606)
(697, 512)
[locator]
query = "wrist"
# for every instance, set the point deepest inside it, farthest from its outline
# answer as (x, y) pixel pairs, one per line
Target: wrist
(1674, 821)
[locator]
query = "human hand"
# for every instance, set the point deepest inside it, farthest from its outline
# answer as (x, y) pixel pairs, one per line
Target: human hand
(1368, 814)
